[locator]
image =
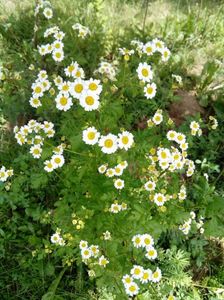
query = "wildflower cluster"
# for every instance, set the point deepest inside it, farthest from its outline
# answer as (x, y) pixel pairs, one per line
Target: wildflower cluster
(5, 174)
(109, 143)
(45, 7)
(186, 227)
(56, 47)
(138, 272)
(79, 223)
(116, 207)
(57, 239)
(107, 70)
(126, 53)
(83, 31)
(213, 122)
(92, 251)
(195, 128)
(39, 87)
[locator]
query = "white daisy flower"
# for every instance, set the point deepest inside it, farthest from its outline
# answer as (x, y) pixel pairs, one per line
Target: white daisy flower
(118, 171)
(125, 140)
(55, 238)
(90, 136)
(48, 13)
(59, 35)
(86, 253)
(150, 185)
(147, 240)
(110, 172)
(164, 154)
(115, 208)
(102, 169)
(144, 72)
(83, 244)
(149, 48)
(63, 102)
(127, 280)
(48, 166)
(89, 101)
(151, 253)
(165, 54)
(36, 151)
(171, 135)
(38, 89)
(58, 55)
(159, 199)
(103, 261)
(58, 45)
(146, 276)
(137, 272)
(77, 87)
(150, 90)
(94, 86)
(57, 160)
(137, 241)
(159, 45)
(119, 184)
(157, 118)
(157, 275)
(35, 102)
(95, 250)
(108, 143)
(71, 69)
(132, 289)
(64, 87)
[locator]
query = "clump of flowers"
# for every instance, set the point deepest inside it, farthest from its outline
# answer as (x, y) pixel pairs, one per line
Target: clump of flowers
(186, 227)
(5, 174)
(126, 53)
(109, 143)
(107, 70)
(138, 272)
(213, 123)
(195, 128)
(92, 251)
(83, 31)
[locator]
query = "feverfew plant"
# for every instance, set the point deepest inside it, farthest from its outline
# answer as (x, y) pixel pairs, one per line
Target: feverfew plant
(119, 190)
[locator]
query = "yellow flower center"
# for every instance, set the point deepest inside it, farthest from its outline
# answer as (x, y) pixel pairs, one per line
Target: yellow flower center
(78, 88)
(151, 252)
(92, 86)
(160, 198)
(65, 87)
(57, 160)
(71, 68)
(58, 54)
(63, 101)
(38, 90)
(78, 74)
(36, 151)
(125, 140)
(145, 72)
(91, 135)
(147, 241)
(132, 288)
(137, 272)
(150, 90)
(145, 276)
(108, 143)
(89, 100)
(163, 155)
